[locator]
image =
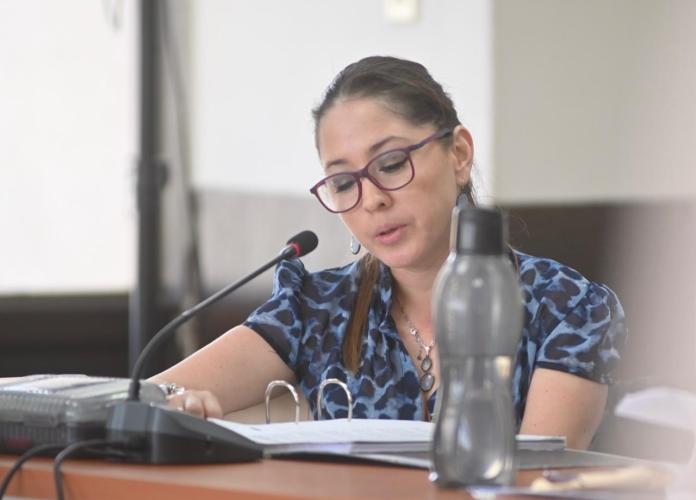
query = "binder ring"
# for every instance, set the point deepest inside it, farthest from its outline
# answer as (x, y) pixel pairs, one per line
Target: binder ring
(269, 388)
(343, 386)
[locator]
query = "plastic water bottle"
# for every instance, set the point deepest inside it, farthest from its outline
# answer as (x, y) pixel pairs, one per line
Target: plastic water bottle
(478, 322)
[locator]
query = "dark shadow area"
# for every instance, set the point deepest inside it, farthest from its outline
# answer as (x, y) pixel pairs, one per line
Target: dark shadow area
(69, 334)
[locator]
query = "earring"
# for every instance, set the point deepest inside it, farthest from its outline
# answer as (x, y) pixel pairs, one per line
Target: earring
(463, 200)
(354, 245)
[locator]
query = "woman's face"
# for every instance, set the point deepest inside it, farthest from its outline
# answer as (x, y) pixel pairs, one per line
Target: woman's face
(408, 228)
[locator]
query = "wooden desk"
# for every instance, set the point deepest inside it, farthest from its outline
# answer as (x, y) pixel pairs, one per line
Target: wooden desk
(267, 479)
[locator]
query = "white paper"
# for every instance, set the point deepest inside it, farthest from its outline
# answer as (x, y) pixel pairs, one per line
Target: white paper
(672, 408)
(384, 435)
(334, 431)
(661, 406)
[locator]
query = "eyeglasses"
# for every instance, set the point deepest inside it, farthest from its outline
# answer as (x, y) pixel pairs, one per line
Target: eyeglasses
(388, 171)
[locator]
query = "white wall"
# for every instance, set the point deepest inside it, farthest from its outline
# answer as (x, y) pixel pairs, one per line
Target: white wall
(68, 120)
(594, 100)
(260, 67)
(67, 115)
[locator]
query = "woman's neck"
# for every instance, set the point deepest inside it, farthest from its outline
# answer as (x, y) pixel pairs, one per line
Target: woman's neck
(414, 291)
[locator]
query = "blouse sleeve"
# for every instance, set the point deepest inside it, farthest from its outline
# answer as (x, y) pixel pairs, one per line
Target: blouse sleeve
(583, 334)
(279, 320)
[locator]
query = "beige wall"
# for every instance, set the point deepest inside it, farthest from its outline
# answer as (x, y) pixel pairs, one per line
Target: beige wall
(569, 101)
(594, 100)
(251, 80)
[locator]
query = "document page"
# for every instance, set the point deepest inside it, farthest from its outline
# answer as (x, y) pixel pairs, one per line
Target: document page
(359, 435)
(381, 434)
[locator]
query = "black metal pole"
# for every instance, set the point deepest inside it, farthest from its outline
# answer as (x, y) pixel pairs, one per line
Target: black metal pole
(150, 177)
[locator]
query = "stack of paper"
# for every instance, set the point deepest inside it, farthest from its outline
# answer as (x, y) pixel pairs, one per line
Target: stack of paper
(358, 436)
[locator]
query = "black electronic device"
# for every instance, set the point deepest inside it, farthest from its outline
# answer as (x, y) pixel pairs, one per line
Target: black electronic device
(60, 409)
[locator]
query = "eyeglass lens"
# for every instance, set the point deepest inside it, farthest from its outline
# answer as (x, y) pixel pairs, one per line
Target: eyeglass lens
(389, 171)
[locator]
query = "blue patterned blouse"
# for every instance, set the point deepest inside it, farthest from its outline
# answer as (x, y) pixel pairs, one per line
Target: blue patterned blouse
(570, 324)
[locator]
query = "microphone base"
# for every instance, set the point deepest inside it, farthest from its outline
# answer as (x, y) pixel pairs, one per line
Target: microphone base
(159, 435)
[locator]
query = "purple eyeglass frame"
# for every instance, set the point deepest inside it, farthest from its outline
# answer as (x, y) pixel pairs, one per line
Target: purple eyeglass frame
(363, 172)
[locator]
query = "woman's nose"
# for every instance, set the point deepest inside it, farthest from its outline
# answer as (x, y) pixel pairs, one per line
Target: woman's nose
(373, 197)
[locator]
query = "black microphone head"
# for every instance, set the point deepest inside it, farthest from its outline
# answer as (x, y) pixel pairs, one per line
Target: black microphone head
(303, 243)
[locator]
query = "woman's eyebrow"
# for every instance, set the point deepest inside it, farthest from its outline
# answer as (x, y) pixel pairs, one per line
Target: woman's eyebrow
(372, 150)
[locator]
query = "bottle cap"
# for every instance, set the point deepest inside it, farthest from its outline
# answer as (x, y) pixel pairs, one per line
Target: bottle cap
(479, 231)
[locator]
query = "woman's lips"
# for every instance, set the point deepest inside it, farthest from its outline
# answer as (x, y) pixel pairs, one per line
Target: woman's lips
(390, 235)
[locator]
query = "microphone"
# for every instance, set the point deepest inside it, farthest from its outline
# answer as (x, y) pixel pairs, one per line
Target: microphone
(300, 245)
(161, 435)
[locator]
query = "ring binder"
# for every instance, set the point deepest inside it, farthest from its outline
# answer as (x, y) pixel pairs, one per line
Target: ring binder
(275, 383)
(269, 388)
(345, 389)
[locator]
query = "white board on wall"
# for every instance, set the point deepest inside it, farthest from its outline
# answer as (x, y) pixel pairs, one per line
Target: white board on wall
(67, 144)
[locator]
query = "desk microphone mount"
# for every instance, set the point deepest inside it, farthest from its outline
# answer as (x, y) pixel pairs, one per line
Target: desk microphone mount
(161, 435)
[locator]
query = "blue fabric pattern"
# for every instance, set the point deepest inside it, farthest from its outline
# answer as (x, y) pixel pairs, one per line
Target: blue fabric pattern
(570, 324)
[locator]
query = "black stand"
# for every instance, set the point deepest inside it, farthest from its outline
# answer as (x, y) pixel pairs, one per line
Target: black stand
(150, 179)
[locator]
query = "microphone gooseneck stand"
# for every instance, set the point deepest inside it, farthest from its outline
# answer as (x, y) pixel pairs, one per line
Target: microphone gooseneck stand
(159, 435)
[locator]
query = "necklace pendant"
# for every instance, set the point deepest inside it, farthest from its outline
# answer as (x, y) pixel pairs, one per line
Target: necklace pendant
(427, 381)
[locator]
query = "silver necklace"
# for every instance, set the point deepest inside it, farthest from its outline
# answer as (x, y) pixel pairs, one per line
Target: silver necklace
(427, 380)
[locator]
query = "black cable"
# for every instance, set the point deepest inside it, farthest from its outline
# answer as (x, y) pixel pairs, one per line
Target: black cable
(71, 449)
(27, 455)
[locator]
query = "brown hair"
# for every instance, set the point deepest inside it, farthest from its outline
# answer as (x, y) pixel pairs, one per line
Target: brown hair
(407, 89)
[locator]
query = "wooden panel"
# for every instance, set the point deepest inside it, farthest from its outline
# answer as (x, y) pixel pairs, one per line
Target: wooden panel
(68, 334)
(277, 479)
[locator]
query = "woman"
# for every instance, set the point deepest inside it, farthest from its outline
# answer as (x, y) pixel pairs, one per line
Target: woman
(395, 159)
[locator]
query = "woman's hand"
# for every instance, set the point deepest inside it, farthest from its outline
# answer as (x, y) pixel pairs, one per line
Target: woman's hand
(199, 403)
(235, 368)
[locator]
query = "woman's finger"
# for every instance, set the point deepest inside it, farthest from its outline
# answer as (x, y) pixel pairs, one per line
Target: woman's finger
(211, 405)
(200, 403)
(193, 404)
(176, 401)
